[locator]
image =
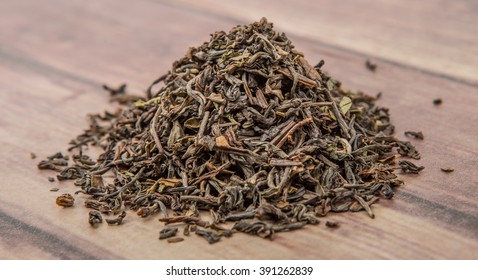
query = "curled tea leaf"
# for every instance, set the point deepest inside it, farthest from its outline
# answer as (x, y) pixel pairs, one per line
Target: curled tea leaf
(175, 239)
(65, 200)
(447, 169)
(417, 135)
(332, 224)
(192, 123)
(410, 167)
(118, 220)
(167, 233)
(370, 65)
(94, 218)
(209, 235)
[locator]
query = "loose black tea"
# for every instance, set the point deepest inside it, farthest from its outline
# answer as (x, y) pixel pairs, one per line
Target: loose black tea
(175, 239)
(417, 135)
(241, 135)
(118, 220)
(65, 200)
(209, 235)
(167, 233)
(56, 162)
(370, 65)
(410, 167)
(332, 224)
(94, 218)
(447, 169)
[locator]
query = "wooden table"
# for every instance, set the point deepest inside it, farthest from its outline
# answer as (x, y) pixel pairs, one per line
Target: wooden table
(54, 56)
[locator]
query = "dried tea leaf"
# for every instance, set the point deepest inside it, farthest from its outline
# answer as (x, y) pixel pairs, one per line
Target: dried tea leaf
(94, 218)
(192, 123)
(209, 235)
(167, 233)
(345, 104)
(370, 65)
(118, 220)
(221, 141)
(217, 98)
(170, 182)
(410, 167)
(175, 239)
(417, 135)
(65, 200)
(332, 224)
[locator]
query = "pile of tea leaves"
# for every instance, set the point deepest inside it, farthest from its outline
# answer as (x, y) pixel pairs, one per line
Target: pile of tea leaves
(244, 128)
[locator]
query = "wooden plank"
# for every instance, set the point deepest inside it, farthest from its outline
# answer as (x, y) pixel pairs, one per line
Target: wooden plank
(435, 36)
(53, 59)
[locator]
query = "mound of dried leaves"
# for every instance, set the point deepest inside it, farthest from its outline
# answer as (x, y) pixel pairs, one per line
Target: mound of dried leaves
(245, 128)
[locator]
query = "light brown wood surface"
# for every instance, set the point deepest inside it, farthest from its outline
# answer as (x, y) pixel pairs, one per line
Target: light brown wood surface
(54, 56)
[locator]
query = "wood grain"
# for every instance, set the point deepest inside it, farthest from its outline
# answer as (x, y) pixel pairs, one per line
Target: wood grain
(55, 55)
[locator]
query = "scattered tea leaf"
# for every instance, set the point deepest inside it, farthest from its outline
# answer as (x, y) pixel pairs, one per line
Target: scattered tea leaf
(167, 233)
(115, 91)
(118, 220)
(209, 235)
(417, 135)
(447, 169)
(332, 224)
(94, 218)
(65, 200)
(410, 167)
(370, 65)
(175, 239)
